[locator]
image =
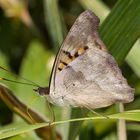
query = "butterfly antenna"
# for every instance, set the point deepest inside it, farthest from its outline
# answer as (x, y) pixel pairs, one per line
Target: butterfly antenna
(9, 80)
(24, 83)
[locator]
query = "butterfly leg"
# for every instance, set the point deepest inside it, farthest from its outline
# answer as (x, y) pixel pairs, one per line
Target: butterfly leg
(94, 112)
(52, 114)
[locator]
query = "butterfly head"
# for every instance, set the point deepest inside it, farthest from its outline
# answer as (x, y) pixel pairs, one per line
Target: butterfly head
(42, 91)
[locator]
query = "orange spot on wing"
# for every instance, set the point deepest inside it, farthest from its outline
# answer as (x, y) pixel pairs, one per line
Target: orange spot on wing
(69, 58)
(81, 50)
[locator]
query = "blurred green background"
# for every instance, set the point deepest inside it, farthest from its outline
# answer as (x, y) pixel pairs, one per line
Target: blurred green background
(32, 31)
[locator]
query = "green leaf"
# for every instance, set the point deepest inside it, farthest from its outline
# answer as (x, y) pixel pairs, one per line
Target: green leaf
(121, 29)
(133, 115)
(75, 127)
(35, 67)
(133, 127)
(15, 129)
(54, 22)
(3, 73)
(133, 58)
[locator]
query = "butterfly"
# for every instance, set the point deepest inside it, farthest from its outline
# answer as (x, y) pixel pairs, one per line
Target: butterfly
(84, 73)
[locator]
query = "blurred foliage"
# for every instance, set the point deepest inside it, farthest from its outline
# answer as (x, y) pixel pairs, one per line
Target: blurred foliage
(32, 31)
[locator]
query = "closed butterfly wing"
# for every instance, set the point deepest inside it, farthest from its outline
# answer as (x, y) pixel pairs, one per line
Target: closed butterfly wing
(85, 74)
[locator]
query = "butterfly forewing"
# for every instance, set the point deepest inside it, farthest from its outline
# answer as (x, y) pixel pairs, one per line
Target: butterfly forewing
(82, 34)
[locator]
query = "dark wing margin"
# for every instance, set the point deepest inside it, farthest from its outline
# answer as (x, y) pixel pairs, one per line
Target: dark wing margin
(83, 31)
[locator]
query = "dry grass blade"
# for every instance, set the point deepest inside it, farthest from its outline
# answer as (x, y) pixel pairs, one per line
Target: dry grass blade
(26, 113)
